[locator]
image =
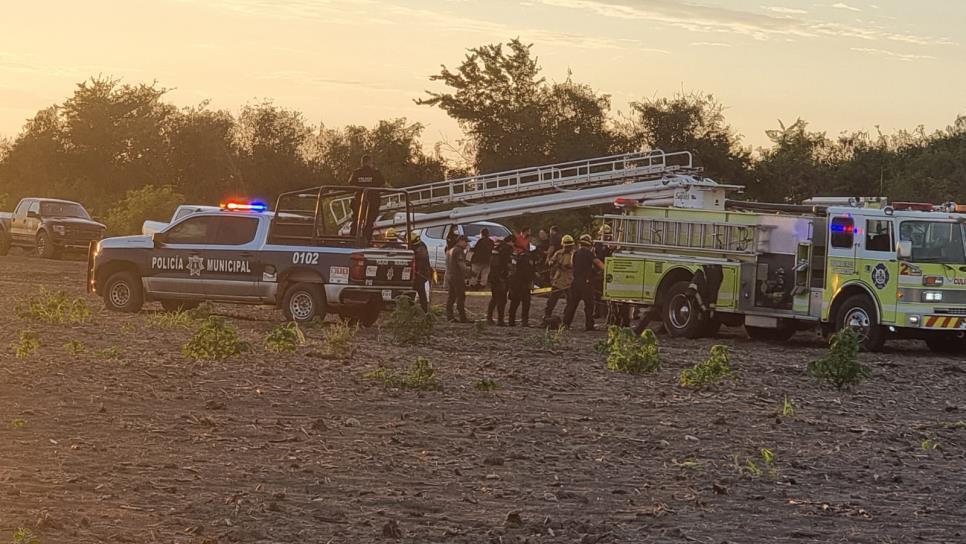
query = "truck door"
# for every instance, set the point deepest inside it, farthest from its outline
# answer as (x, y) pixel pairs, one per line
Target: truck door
(231, 262)
(841, 255)
(177, 266)
(18, 225)
(877, 263)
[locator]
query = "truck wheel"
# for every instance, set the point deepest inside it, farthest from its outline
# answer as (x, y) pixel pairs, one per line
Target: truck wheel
(765, 334)
(859, 314)
(303, 302)
(948, 344)
(45, 247)
(171, 305)
(681, 315)
(4, 244)
(123, 293)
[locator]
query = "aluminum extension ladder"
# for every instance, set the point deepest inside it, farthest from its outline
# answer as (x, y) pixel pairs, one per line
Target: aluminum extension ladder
(704, 237)
(610, 170)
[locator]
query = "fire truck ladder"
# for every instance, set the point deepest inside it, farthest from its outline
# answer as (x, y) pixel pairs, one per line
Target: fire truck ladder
(664, 233)
(512, 184)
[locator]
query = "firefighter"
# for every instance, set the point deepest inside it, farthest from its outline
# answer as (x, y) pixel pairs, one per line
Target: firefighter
(582, 290)
(456, 273)
(391, 239)
(500, 261)
(424, 271)
(521, 282)
(365, 204)
(561, 265)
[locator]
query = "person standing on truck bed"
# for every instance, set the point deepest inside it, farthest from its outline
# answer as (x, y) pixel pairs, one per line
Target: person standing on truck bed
(456, 280)
(365, 205)
(424, 271)
(582, 289)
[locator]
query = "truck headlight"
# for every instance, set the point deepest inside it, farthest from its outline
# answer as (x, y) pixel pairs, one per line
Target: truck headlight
(932, 296)
(914, 320)
(59, 229)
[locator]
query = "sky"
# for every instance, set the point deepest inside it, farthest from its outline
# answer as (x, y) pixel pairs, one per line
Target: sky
(850, 65)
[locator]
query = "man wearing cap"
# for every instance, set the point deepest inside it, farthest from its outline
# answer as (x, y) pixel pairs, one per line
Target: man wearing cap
(561, 265)
(456, 273)
(424, 271)
(582, 289)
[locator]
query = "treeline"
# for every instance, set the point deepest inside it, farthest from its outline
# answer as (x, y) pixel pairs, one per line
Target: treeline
(111, 138)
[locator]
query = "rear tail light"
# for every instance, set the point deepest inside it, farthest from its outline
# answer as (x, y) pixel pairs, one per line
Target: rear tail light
(357, 271)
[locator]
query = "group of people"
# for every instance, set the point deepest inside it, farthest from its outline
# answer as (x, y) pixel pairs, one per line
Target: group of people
(510, 267)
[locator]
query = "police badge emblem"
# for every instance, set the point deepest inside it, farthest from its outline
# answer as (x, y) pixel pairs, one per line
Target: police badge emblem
(195, 265)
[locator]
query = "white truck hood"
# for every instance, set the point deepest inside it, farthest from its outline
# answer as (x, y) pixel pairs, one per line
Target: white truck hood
(127, 241)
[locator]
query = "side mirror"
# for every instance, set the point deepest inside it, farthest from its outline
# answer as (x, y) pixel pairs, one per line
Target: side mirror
(158, 238)
(33, 215)
(904, 249)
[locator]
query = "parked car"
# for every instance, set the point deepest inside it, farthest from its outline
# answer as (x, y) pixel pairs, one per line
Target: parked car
(184, 210)
(435, 240)
(48, 226)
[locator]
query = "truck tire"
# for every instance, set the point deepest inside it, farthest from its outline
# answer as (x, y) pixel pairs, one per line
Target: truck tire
(303, 302)
(681, 315)
(45, 247)
(765, 334)
(858, 312)
(4, 244)
(172, 305)
(947, 344)
(123, 292)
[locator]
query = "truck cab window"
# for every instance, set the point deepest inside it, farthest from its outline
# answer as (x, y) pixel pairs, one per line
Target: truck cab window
(436, 233)
(842, 232)
(234, 231)
(22, 208)
(34, 207)
(196, 230)
(878, 235)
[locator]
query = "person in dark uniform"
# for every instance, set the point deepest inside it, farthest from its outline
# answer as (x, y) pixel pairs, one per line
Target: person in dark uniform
(602, 250)
(424, 271)
(452, 237)
(456, 273)
(365, 204)
(582, 289)
(482, 252)
(521, 282)
(500, 260)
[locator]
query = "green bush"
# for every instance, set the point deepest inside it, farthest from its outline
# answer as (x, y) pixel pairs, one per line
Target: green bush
(408, 324)
(24, 536)
(421, 377)
(628, 352)
(710, 372)
(485, 384)
(180, 319)
(338, 338)
(840, 367)
(285, 338)
(57, 308)
(27, 343)
(149, 202)
(215, 340)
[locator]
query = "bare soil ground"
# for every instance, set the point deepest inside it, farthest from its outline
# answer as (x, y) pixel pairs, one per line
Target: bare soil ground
(301, 448)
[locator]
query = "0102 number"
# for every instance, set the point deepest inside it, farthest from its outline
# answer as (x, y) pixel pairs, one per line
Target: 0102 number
(305, 257)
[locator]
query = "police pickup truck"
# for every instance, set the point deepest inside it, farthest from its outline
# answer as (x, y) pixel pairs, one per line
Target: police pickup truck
(294, 257)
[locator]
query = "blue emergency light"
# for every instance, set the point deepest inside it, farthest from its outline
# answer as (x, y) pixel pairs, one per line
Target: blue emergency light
(233, 206)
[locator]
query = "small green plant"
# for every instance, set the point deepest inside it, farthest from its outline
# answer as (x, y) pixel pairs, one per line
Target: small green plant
(485, 384)
(628, 352)
(338, 338)
(788, 407)
(285, 338)
(710, 372)
(768, 456)
(204, 310)
(24, 536)
(18, 423)
(408, 324)
(129, 327)
(27, 343)
(75, 348)
(215, 340)
(108, 354)
(180, 319)
(929, 443)
(840, 367)
(56, 308)
(549, 339)
(421, 377)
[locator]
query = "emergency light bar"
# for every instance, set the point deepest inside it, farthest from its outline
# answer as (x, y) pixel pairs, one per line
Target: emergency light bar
(233, 206)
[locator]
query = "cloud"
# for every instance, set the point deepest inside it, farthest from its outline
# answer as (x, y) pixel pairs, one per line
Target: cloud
(840, 5)
(784, 10)
(892, 54)
(710, 44)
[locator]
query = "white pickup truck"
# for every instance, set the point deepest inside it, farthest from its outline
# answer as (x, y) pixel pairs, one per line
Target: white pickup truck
(184, 210)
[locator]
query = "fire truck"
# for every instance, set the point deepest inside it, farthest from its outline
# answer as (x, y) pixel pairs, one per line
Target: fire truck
(697, 260)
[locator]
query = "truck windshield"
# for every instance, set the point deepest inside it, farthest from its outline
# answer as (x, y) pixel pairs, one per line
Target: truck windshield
(63, 209)
(934, 241)
(476, 229)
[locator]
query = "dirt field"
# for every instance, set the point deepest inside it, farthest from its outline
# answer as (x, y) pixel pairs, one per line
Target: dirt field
(302, 448)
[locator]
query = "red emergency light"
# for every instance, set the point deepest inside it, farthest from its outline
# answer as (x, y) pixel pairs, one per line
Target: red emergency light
(623, 202)
(913, 206)
(235, 206)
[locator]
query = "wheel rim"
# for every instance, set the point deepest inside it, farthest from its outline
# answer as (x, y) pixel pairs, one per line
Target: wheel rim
(120, 294)
(680, 311)
(42, 244)
(301, 306)
(859, 321)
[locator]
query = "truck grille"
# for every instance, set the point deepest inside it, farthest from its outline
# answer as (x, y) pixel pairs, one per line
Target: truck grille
(951, 311)
(82, 232)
